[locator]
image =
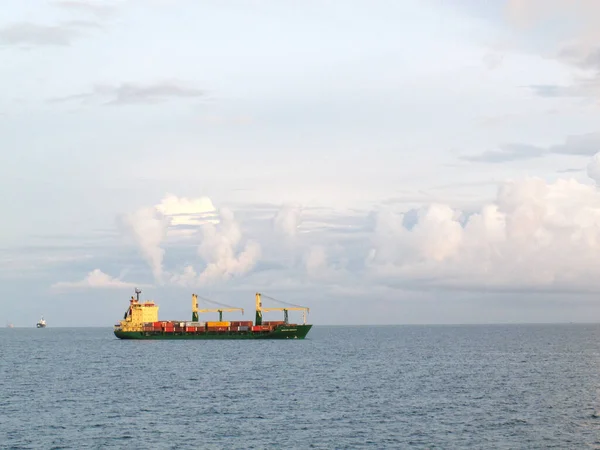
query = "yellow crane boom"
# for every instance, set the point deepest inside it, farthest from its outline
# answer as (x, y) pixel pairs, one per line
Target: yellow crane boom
(260, 309)
(195, 309)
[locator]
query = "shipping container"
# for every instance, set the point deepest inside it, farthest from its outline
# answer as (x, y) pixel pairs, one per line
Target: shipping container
(243, 328)
(241, 323)
(218, 324)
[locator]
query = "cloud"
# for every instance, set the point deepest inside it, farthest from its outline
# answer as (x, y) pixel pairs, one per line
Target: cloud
(579, 145)
(582, 88)
(507, 152)
(577, 44)
(148, 228)
(63, 34)
(216, 235)
(528, 13)
(534, 236)
(134, 93)
(184, 211)
(287, 220)
(318, 266)
(593, 169)
(25, 33)
(95, 279)
(220, 249)
(584, 57)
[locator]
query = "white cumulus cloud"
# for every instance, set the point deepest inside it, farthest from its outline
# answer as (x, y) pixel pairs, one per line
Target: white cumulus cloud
(221, 250)
(148, 228)
(535, 235)
(185, 211)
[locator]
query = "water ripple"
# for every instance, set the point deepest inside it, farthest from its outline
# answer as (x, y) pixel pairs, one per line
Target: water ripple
(344, 387)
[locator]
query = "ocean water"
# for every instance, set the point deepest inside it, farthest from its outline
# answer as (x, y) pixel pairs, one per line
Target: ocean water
(513, 386)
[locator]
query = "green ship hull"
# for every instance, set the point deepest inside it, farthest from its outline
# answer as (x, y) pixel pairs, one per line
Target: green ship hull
(284, 332)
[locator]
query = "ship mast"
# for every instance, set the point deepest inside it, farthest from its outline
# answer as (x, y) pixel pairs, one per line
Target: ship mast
(292, 307)
(194, 308)
(258, 319)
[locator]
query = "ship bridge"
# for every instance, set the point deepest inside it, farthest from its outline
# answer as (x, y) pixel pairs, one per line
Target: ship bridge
(139, 313)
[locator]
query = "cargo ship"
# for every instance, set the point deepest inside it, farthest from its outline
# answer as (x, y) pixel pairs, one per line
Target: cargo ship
(140, 321)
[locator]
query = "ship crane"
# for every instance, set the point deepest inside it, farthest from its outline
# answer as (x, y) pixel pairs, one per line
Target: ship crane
(291, 307)
(225, 308)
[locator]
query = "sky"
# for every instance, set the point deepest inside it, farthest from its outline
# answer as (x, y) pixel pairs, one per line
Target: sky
(381, 162)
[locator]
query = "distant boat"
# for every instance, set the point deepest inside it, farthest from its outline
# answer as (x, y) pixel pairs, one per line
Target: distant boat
(9, 325)
(41, 323)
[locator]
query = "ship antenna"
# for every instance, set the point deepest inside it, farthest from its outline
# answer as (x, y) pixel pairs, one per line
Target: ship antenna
(137, 293)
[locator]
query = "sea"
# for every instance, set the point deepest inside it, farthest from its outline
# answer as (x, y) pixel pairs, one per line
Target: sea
(343, 387)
